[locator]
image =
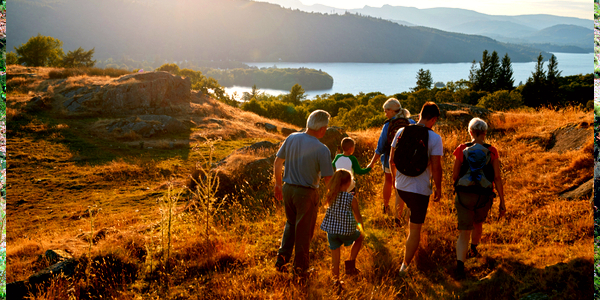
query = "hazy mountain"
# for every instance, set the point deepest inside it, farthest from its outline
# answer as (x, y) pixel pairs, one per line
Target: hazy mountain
(239, 30)
(514, 29)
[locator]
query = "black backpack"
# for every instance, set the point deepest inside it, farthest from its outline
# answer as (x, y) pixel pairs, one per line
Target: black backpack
(411, 156)
(476, 172)
(393, 127)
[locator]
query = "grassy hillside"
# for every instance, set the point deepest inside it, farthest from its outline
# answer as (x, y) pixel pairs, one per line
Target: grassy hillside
(66, 180)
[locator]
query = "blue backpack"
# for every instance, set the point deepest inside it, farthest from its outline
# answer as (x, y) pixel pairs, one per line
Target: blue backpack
(476, 172)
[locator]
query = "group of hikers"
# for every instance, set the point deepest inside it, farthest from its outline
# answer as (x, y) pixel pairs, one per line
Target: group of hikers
(412, 153)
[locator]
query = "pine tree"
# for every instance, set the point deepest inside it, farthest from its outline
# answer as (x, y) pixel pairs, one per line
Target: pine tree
(505, 79)
(534, 92)
(424, 80)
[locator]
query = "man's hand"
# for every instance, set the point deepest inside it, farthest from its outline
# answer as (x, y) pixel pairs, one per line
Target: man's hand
(437, 195)
(278, 192)
(501, 210)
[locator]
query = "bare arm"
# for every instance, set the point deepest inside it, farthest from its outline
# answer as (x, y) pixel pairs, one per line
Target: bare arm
(436, 172)
(373, 160)
(326, 180)
(456, 170)
(393, 167)
(356, 211)
(499, 186)
(278, 174)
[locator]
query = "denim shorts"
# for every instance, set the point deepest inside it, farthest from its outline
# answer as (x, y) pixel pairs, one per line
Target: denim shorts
(336, 240)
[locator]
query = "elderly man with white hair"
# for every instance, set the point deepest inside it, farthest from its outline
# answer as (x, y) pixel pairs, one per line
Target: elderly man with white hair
(306, 161)
(476, 172)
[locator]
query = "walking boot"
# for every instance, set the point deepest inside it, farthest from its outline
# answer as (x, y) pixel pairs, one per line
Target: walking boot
(351, 267)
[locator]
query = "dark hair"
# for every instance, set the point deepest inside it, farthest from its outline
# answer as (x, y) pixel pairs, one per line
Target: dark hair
(430, 110)
(347, 143)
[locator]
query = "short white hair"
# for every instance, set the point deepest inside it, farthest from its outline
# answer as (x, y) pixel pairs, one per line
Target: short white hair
(318, 119)
(392, 104)
(477, 126)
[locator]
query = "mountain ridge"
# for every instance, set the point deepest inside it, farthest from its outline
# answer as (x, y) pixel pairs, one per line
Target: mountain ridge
(243, 31)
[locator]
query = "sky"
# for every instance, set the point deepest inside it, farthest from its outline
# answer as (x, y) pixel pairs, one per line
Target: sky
(568, 8)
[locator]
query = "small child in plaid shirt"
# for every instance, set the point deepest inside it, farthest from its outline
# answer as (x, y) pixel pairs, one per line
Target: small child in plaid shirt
(340, 223)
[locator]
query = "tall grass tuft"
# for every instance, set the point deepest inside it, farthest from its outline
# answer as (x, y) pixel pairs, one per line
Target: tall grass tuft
(167, 209)
(204, 185)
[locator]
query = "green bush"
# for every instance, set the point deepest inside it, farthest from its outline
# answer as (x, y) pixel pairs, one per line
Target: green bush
(501, 100)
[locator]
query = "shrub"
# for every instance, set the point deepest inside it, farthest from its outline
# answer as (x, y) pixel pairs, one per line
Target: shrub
(501, 100)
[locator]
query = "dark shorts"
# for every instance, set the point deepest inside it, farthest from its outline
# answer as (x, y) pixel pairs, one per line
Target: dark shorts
(471, 209)
(418, 205)
(336, 240)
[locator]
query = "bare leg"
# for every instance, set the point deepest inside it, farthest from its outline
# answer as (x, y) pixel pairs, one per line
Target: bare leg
(462, 245)
(412, 242)
(476, 234)
(335, 263)
(399, 205)
(356, 247)
(387, 189)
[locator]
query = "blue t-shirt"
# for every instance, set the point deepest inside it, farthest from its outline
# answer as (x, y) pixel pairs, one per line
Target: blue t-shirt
(306, 160)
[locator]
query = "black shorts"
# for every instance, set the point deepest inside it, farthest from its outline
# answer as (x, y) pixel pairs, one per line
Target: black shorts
(418, 205)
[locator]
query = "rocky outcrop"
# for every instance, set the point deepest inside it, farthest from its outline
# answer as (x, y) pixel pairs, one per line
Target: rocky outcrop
(287, 131)
(584, 190)
(333, 139)
(139, 93)
(146, 125)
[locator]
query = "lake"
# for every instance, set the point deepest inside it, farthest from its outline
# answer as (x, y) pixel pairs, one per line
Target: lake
(390, 79)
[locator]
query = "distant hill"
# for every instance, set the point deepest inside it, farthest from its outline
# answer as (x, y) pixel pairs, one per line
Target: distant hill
(503, 28)
(240, 30)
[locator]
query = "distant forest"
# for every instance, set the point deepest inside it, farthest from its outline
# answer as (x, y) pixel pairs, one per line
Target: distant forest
(230, 73)
(240, 30)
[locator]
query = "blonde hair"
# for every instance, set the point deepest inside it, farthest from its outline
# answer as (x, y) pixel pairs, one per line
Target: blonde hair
(392, 104)
(340, 178)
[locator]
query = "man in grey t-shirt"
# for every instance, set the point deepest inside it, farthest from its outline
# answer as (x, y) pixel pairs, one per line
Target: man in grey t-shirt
(306, 161)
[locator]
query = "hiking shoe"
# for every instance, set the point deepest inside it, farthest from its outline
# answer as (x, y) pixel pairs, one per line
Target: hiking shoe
(473, 253)
(459, 273)
(351, 267)
(337, 287)
(280, 263)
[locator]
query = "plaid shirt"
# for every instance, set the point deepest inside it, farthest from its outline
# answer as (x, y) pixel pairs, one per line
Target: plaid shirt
(339, 218)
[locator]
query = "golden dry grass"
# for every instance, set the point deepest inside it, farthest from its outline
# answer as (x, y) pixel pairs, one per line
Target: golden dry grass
(52, 183)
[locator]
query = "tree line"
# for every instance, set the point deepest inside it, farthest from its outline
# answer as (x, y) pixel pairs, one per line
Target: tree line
(490, 85)
(47, 51)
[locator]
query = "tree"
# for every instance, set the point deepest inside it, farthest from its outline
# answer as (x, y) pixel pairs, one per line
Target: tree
(11, 58)
(501, 100)
(40, 51)
(424, 80)
(553, 72)
(485, 77)
(534, 92)
(505, 79)
(296, 95)
(79, 58)
(252, 95)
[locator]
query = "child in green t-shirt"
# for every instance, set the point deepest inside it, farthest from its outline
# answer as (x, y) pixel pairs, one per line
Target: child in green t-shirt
(348, 162)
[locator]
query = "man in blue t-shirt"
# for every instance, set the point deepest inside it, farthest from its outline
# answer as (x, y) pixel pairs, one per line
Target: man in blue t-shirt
(306, 161)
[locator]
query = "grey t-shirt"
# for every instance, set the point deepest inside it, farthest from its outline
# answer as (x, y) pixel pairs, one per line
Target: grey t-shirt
(306, 160)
